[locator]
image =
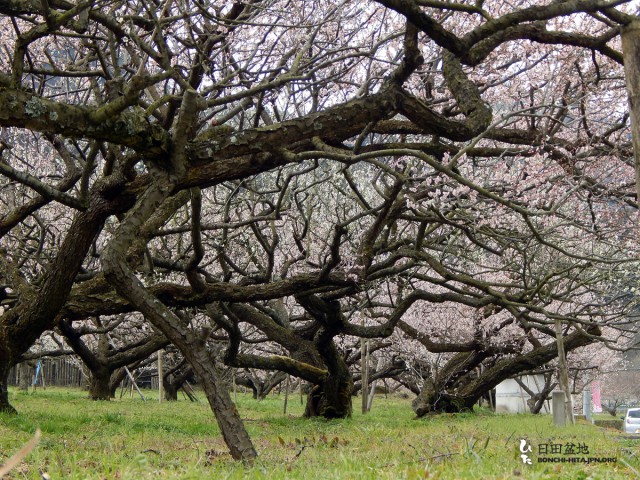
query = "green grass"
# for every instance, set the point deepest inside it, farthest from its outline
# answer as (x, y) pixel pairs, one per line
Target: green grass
(132, 439)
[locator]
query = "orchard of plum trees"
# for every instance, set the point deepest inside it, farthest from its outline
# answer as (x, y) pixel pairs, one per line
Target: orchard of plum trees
(264, 183)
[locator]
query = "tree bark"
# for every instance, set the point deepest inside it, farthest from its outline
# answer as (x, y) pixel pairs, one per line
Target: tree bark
(441, 394)
(36, 311)
(233, 431)
(126, 283)
(435, 399)
(117, 378)
(631, 53)
(563, 373)
(171, 392)
(5, 406)
(24, 377)
(333, 397)
(100, 384)
(171, 386)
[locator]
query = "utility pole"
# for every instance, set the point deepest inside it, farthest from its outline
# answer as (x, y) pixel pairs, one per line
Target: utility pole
(631, 56)
(160, 377)
(563, 373)
(364, 362)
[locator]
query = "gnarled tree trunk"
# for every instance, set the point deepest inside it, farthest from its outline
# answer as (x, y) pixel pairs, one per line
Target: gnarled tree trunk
(36, 311)
(100, 384)
(174, 381)
(332, 389)
(118, 273)
(5, 406)
(332, 398)
(464, 395)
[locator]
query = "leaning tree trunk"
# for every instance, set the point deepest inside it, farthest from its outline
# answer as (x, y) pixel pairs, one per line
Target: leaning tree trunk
(465, 395)
(117, 378)
(129, 286)
(437, 396)
(194, 350)
(118, 273)
(219, 399)
(434, 398)
(172, 385)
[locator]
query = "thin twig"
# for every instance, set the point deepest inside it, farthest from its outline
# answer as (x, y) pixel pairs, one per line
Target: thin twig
(20, 455)
(630, 467)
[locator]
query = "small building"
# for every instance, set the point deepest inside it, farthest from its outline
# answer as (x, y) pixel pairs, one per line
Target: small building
(512, 398)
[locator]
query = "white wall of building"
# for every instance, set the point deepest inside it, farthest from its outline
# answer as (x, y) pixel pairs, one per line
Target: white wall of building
(510, 398)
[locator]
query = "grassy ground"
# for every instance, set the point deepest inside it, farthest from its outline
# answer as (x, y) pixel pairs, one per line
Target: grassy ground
(132, 439)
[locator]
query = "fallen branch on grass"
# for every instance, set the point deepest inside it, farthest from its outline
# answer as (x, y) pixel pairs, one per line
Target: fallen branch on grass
(20, 455)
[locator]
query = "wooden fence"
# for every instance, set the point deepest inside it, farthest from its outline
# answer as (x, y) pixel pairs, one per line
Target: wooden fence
(61, 372)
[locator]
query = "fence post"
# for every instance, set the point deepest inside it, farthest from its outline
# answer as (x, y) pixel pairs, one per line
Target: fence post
(586, 404)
